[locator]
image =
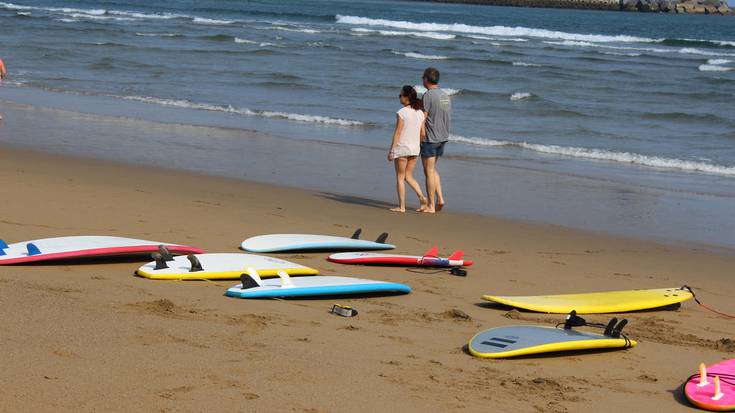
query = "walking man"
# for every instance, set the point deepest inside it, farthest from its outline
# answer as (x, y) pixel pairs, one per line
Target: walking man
(438, 110)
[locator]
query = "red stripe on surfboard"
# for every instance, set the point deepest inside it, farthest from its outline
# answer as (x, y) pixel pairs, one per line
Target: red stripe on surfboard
(98, 252)
(376, 260)
(388, 261)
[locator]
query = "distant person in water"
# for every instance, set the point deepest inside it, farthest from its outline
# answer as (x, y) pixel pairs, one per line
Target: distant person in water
(438, 110)
(3, 74)
(405, 146)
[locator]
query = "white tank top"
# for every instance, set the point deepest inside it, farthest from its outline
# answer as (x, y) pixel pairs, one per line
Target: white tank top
(410, 138)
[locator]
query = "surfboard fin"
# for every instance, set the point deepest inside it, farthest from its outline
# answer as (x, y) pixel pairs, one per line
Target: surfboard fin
(457, 255)
(610, 326)
(160, 262)
(382, 238)
(251, 279)
(165, 253)
(247, 282)
(32, 249)
(356, 234)
(285, 279)
(3, 245)
(195, 264)
(432, 252)
(618, 328)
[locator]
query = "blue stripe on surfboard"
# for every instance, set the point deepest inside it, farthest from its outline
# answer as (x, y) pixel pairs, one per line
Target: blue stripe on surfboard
(367, 245)
(321, 290)
(3, 244)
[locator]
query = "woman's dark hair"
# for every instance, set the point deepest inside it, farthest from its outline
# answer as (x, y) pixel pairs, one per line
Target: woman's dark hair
(413, 97)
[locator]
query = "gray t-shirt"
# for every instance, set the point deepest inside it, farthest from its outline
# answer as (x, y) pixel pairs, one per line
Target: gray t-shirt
(438, 107)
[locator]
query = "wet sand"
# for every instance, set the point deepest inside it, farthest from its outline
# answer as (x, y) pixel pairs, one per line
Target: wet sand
(92, 336)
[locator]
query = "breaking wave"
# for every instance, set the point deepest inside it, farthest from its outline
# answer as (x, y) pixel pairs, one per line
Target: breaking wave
(180, 103)
(605, 155)
(489, 30)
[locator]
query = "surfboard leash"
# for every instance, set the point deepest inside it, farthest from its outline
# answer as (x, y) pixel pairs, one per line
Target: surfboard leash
(613, 329)
(688, 288)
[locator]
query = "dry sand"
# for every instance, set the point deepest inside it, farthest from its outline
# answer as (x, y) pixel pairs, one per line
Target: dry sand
(93, 337)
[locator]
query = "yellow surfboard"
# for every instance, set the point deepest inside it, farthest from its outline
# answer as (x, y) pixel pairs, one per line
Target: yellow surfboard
(595, 303)
(221, 267)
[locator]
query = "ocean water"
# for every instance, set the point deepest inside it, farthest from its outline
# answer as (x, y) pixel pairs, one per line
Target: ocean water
(640, 102)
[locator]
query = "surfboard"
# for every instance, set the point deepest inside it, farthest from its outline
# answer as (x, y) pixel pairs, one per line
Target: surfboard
(252, 286)
(219, 267)
(429, 259)
(596, 303)
(703, 393)
(64, 248)
(516, 341)
(306, 242)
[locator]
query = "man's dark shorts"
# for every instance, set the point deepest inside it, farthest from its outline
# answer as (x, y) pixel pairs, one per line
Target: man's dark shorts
(431, 149)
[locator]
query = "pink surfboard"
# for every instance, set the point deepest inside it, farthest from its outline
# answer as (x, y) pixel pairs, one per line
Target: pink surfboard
(65, 248)
(429, 259)
(704, 396)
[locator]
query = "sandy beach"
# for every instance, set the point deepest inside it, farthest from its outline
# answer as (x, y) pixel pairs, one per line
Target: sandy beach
(92, 336)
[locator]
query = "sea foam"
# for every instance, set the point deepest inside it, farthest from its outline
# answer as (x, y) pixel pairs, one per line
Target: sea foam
(420, 90)
(421, 56)
(489, 30)
(605, 155)
(520, 96)
(181, 103)
(428, 35)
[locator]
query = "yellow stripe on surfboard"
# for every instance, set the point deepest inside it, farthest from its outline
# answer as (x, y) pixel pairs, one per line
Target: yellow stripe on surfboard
(558, 347)
(226, 275)
(595, 303)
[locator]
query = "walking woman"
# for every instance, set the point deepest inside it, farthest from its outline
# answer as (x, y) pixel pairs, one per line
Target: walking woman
(405, 146)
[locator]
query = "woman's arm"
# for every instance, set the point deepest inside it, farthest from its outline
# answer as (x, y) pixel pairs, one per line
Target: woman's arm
(396, 135)
(422, 134)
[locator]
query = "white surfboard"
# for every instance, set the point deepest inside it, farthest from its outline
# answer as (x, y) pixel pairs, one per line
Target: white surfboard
(219, 267)
(64, 248)
(252, 286)
(306, 242)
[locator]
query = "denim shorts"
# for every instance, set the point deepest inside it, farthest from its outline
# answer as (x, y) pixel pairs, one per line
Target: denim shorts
(431, 149)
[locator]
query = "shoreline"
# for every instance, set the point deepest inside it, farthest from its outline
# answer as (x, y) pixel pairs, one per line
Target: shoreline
(503, 189)
(183, 346)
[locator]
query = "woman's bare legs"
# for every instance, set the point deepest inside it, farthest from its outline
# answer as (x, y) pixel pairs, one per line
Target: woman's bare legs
(400, 164)
(410, 165)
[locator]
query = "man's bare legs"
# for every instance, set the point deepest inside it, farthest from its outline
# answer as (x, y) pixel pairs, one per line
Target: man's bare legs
(438, 182)
(433, 185)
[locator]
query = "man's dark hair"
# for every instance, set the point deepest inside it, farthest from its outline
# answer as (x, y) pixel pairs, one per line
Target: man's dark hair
(431, 75)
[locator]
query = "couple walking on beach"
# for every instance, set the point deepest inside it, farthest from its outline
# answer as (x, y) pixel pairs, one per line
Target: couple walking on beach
(422, 128)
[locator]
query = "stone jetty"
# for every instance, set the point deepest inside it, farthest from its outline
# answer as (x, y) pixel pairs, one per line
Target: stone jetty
(713, 7)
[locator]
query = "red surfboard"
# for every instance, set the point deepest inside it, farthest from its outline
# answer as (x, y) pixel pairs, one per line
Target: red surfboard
(429, 259)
